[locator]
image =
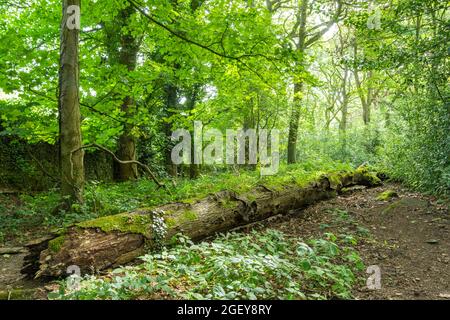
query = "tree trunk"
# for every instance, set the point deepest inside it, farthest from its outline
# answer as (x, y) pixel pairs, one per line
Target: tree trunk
(72, 169)
(126, 56)
(298, 86)
(366, 100)
(192, 97)
(293, 124)
(344, 106)
(126, 150)
(114, 240)
(171, 104)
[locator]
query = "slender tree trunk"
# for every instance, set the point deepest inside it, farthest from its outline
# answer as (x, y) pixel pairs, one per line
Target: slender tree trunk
(194, 168)
(365, 100)
(344, 114)
(293, 124)
(249, 122)
(126, 148)
(72, 169)
(344, 106)
(298, 87)
(171, 104)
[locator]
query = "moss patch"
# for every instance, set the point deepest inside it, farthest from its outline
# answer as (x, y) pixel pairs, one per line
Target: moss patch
(228, 204)
(55, 244)
(170, 222)
(190, 215)
(335, 181)
(364, 176)
(175, 220)
(123, 222)
(387, 195)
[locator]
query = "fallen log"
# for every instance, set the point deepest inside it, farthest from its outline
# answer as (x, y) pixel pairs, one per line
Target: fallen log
(18, 294)
(13, 250)
(114, 240)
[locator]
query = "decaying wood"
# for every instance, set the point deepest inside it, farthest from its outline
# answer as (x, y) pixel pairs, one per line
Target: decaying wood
(13, 250)
(110, 241)
(18, 294)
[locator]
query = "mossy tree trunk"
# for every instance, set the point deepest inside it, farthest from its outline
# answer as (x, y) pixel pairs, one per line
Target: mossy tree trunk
(298, 85)
(171, 104)
(72, 169)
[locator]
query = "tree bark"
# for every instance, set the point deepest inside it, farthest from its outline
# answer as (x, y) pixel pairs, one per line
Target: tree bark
(72, 169)
(344, 105)
(126, 55)
(298, 86)
(192, 97)
(293, 124)
(126, 149)
(171, 105)
(305, 40)
(366, 100)
(114, 240)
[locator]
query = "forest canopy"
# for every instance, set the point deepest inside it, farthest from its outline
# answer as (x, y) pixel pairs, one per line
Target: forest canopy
(356, 81)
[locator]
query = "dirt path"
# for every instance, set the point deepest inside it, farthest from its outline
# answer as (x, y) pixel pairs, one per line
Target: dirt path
(407, 237)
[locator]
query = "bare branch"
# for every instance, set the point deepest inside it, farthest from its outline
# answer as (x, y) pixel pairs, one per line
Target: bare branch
(146, 168)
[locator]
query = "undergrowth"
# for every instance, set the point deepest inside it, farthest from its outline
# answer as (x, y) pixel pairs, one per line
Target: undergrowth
(258, 265)
(27, 212)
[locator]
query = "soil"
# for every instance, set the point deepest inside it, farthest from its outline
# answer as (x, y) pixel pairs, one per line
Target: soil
(407, 237)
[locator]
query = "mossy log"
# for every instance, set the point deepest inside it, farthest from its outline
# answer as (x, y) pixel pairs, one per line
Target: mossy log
(18, 294)
(109, 241)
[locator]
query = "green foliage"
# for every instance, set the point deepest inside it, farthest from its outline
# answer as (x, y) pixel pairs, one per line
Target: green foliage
(21, 216)
(105, 199)
(411, 50)
(356, 146)
(229, 64)
(259, 265)
(244, 78)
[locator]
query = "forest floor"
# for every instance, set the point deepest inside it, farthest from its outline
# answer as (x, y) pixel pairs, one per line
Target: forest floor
(407, 237)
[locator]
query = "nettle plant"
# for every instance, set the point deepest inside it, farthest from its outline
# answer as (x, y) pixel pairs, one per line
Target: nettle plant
(259, 265)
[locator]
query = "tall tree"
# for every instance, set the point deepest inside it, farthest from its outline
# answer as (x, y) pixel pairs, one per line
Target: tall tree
(123, 47)
(366, 98)
(72, 169)
(305, 37)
